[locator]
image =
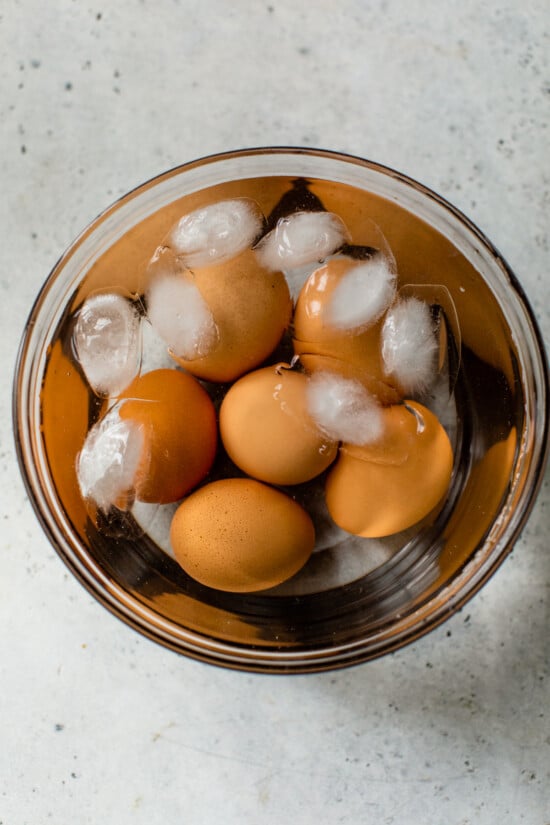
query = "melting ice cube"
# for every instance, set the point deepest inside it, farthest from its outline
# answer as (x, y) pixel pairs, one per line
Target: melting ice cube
(343, 409)
(106, 340)
(155, 354)
(181, 316)
(109, 460)
(296, 277)
(362, 295)
(217, 232)
(301, 238)
(409, 345)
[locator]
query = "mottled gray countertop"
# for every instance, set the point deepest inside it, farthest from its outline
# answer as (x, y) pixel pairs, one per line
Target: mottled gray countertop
(99, 724)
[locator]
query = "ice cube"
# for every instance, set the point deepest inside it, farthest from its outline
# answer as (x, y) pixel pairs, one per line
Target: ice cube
(155, 353)
(362, 295)
(301, 238)
(106, 339)
(217, 232)
(409, 345)
(181, 317)
(109, 460)
(343, 409)
(297, 276)
(155, 520)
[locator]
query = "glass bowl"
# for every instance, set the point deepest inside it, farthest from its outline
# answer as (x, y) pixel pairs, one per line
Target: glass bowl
(356, 599)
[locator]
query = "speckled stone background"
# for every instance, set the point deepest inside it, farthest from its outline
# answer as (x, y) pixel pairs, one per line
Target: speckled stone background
(100, 725)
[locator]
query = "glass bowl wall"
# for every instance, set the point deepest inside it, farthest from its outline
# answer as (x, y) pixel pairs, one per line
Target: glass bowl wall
(501, 399)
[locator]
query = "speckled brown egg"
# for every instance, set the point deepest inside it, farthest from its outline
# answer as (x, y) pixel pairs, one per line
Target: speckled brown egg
(241, 535)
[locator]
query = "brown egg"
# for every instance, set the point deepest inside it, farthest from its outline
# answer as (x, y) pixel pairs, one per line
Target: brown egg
(251, 308)
(380, 489)
(179, 422)
(322, 345)
(241, 535)
(267, 430)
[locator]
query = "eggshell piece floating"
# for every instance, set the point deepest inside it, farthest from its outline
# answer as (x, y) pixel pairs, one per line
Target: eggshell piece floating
(353, 352)
(267, 430)
(240, 535)
(251, 308)
(384, 488)
(178, 421)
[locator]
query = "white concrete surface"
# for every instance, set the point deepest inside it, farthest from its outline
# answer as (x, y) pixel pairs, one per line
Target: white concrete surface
(100, 725)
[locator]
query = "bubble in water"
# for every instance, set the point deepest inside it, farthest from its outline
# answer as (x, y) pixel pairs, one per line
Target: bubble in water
(109, 460)
(343, 409)
(181, 317)
(362, 295)
(106, 340)
(217, 232)
(301, 238)
(409, 345)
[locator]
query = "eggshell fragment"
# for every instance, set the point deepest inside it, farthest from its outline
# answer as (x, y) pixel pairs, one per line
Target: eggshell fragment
(241, 535)
(178, 420)
(383, 488)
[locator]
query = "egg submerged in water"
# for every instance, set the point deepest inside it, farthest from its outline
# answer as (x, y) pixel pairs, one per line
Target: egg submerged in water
(338, 319)
(218, 320)
(178, 420)
(156, 443)
(380, 489)
(251, 307)
(267, 430)
(241, 536)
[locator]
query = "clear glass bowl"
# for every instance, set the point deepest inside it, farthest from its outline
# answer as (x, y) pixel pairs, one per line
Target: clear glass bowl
(354, 601)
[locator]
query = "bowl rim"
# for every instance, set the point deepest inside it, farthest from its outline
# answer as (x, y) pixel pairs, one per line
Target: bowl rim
(277, 660)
